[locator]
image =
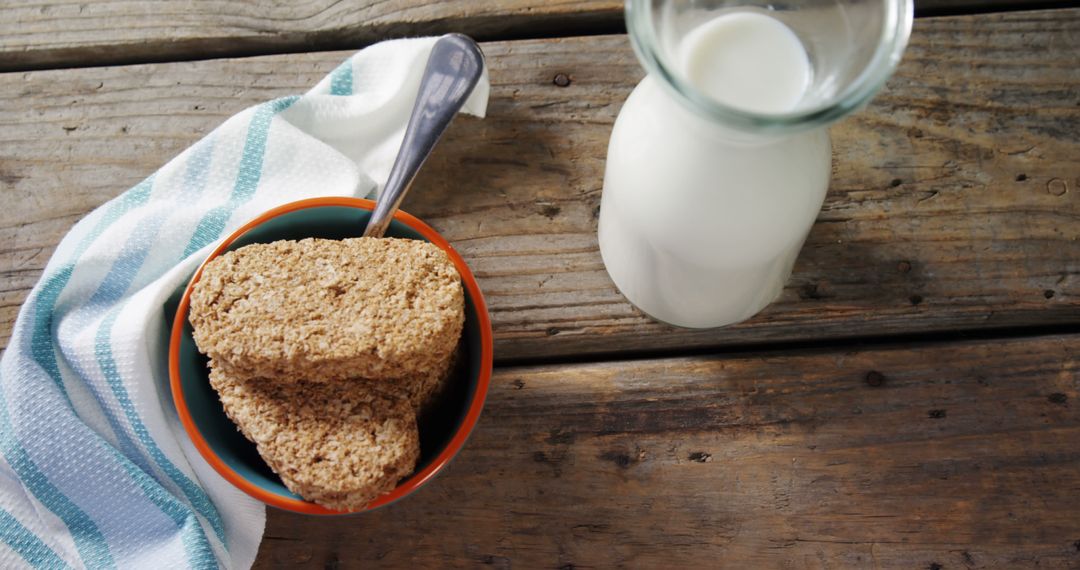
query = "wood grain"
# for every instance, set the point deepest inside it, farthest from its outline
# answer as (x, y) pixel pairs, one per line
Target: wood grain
(954, 202)
(955, 455)
(70, 33)
(75, 33)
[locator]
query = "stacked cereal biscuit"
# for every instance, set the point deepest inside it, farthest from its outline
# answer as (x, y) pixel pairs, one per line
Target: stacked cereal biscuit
(323, 352)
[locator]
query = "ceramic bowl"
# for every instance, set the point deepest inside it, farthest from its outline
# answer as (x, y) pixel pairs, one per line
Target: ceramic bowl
(443, 430)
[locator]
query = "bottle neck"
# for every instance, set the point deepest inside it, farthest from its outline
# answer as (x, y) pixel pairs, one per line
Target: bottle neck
(666, 105)
(849, 48)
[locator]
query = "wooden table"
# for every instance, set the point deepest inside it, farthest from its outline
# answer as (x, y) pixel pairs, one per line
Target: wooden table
(911, 401)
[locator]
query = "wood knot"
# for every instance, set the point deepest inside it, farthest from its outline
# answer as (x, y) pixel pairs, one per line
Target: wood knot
(560, 437)
(937, 414)
(875, 378)
(622, 460)
(915, 299)
(904, 266)
(549, 210)
(1058, 398)
(1049, 293)
(814, 291)
(700, 457)
(541, 457)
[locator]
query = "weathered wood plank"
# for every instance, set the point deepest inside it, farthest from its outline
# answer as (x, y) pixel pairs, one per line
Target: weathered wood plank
(954, 202)
(66, 33)
(958, 454)
(75, 33)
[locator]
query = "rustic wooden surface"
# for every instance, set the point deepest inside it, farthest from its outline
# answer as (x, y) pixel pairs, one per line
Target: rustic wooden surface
(954, 211)
(954, 203)
(75, 33)
(960, 455)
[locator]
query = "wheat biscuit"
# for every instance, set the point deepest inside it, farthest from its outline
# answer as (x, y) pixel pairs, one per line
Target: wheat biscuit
(422, 391)
(339, 444)
(326, 310)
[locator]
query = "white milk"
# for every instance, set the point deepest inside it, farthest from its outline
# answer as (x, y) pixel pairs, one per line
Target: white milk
(747, 60)
(700, 225)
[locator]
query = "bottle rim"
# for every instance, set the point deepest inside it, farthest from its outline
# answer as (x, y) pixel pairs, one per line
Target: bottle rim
(887, 55)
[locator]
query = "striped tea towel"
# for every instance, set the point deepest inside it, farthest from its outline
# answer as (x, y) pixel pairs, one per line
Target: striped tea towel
(95, 470)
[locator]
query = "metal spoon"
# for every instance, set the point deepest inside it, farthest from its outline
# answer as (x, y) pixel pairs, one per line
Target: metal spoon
(453, 69)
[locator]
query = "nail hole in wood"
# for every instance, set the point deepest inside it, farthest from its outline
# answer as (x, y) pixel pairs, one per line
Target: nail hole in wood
(700, 457)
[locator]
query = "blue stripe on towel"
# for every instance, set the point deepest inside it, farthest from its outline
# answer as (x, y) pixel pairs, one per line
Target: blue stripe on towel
(26, 544)
(116, 283)
(341, 79)
(91, 544)
(247, 178)
(89, 541)
(42, 348)
(197, 497)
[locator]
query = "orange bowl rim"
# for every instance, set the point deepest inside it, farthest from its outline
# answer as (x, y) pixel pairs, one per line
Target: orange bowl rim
(416, 480)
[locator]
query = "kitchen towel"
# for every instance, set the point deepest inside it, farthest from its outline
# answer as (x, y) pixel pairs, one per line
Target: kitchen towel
(95, 470)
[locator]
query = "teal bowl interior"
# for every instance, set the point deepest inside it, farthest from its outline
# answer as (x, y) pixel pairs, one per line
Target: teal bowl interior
(437, 426)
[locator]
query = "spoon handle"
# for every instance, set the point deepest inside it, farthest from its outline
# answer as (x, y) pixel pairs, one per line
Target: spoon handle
(453, 70)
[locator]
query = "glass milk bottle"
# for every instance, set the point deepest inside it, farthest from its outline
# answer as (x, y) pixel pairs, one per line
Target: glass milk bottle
(720, 158)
